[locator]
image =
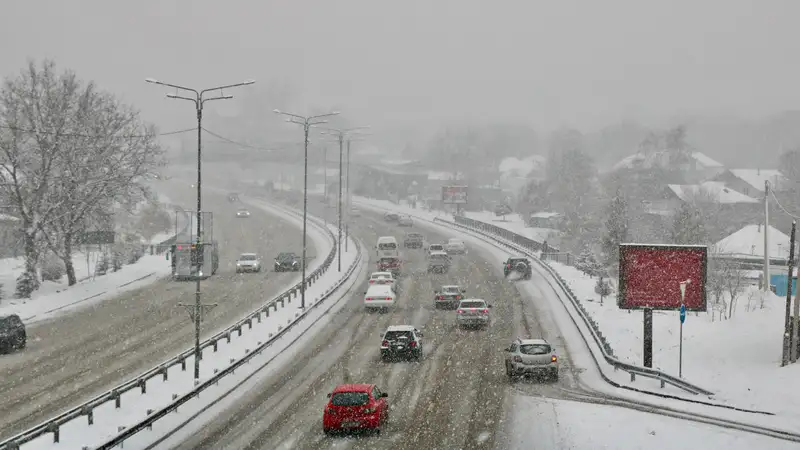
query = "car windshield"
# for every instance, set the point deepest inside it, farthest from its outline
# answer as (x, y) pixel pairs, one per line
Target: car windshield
(472, 304)
(436, 247)
(516, 261)
(247, 258)
(8, 322)
(387, 246)
(350, 399)
(394, 335)
(451, 290)
(534, 349)
(381, 275)
(286, 256)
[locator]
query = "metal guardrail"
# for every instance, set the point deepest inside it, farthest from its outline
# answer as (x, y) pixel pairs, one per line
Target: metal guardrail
(87, 409)
(528, 246)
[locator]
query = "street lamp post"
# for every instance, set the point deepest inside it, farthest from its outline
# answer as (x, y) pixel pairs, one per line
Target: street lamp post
(307, 122)
(340, 136)
(199, 99)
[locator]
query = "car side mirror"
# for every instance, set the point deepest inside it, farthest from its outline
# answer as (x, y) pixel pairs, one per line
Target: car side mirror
(507, 349)
(463, 291)
(329, 395)
(420, 334)
(490, 306)
(384, 395)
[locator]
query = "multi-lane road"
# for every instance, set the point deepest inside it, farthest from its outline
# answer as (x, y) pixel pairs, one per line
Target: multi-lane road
(74, 357)
(453, 398)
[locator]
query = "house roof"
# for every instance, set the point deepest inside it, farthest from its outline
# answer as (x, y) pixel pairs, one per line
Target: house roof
(661, 157)
(749, 241)
(545, 215)
(716, 189)
(515, 167)
(757, 177)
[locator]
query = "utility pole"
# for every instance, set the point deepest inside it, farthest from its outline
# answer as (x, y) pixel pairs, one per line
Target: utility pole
(339, 248)
(307, 122)
(787, 340)
(794, 321)
(199, 100)
(349, 206)
(766, 237)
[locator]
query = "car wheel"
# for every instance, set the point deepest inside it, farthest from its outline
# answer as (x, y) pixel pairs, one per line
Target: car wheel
(509, 372)
(327, 431)
(554, 375)
(22, 342)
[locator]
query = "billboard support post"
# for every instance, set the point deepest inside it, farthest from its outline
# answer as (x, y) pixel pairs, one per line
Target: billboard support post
(648, 337)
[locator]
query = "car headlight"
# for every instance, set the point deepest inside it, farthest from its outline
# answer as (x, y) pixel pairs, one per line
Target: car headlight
(200, 273)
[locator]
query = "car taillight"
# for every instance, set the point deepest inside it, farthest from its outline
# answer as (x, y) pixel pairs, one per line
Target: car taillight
(554, 358)
(485, 311)
(413, 344)
(458, 297)
(388, 298)
(439, 297)
(368, 299)
(508, 266)
(460, 311)
(385, 343)
(518, 359)
(371, 281)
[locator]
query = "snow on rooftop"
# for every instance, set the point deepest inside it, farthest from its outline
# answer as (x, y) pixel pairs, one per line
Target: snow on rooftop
(516, 167)
(716, 189)
(757, 177)
(545, 215)
(661, 158)
(749, 241)
(444, 176)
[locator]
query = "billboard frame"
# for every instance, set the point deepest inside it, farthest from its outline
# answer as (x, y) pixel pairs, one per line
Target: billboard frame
(623, 302)
(447, 188)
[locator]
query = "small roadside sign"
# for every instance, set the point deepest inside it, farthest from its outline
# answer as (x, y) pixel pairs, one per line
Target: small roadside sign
(683, 313)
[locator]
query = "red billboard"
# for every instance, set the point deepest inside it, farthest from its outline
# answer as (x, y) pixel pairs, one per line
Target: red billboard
(650, 276)
(454, 195)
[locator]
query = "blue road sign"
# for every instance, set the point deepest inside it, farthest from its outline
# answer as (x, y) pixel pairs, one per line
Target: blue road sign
(683, 313)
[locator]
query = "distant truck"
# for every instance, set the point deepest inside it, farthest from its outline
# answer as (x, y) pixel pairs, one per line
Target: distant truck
(184, 260)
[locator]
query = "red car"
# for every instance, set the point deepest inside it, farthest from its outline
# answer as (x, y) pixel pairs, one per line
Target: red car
(390, 265)
(353, 407)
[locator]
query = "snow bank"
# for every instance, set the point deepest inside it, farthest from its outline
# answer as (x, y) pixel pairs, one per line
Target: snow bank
(50, 301)
(565, 424)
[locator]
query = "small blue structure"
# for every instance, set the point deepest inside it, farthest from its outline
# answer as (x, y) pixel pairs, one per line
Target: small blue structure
(779, 281)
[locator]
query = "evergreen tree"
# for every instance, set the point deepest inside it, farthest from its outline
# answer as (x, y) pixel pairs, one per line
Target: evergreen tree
(688, 226)
(616, 227)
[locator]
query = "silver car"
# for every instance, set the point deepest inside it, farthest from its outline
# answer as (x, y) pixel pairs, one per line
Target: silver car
(531, 357)
(473, 312)
(248, 262)
(405, 221)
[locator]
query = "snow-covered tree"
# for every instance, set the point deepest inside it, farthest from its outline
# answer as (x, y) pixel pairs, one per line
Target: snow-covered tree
(616, 227)
(688, 226)
(36, 111)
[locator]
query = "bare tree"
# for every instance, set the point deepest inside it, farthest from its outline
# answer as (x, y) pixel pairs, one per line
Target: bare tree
(734, 284)
(105, 167)
(35, 111)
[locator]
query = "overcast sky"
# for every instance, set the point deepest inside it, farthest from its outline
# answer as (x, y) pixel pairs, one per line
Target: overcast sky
(551, 63)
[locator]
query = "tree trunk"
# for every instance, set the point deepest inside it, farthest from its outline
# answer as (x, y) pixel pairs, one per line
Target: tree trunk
(68, 265)
(31, 256)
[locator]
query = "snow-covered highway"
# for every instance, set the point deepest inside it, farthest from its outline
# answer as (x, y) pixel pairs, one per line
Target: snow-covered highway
(79, 355)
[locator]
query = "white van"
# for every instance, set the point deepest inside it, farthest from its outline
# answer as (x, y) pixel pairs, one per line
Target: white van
(387, 247)
(379, 296)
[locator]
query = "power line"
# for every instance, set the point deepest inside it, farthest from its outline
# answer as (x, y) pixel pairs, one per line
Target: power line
(772, 192)
(95, 136)
(241, 144)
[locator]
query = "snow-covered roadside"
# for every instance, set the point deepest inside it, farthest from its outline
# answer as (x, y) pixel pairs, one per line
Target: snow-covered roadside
(550, 423)
(160, 392)
(558, 322)
(47, 305)
(738, 358)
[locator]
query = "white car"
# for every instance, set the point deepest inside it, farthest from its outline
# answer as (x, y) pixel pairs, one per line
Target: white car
(434, 248)
(455, 247)
(379, 296)
(243, 213)
(248, 262)
(473, 312)
(385, 278)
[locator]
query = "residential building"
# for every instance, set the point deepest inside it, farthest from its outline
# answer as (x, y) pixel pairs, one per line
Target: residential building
(751, 181)
(697, 168)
